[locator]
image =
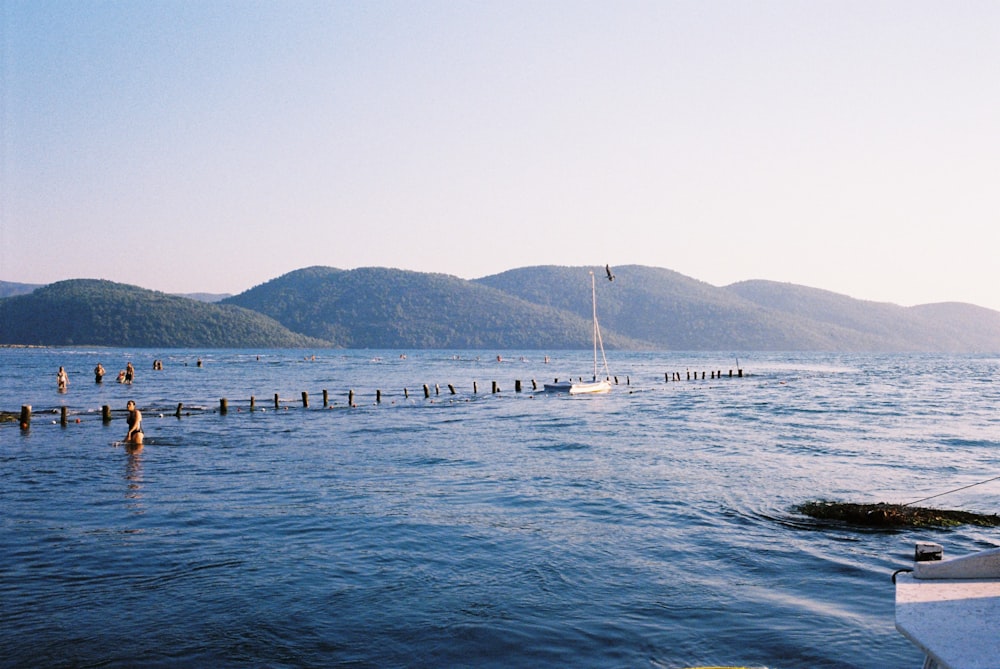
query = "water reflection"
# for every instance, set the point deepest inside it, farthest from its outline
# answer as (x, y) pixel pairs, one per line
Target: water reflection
(133, 478)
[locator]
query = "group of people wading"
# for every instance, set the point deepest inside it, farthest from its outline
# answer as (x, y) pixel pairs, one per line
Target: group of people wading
(133, 438)
(124, 376)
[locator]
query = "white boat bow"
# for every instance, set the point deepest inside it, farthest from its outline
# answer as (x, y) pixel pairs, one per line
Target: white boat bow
(950, 609)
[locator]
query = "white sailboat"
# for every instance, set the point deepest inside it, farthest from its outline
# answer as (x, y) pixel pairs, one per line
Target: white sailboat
(595, 385)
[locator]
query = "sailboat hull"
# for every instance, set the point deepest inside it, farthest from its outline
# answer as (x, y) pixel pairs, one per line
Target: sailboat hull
(590, 388)
(578, 388)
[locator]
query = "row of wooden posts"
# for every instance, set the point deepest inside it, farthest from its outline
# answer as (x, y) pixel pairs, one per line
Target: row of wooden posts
(224, 403)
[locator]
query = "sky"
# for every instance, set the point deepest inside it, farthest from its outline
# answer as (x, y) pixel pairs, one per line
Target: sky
(192, 146)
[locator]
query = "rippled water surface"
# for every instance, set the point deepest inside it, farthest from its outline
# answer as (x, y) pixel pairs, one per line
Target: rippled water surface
(652, 527)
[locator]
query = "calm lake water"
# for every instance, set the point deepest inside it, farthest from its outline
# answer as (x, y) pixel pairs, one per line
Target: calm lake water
(652, 527)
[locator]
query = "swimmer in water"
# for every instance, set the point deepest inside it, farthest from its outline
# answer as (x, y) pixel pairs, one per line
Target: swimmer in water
(133, 437)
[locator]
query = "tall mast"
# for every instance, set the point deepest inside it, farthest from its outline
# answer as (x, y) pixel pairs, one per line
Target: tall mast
(593, 302)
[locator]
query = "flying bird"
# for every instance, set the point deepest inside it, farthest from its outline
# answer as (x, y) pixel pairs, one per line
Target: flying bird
(607, 268)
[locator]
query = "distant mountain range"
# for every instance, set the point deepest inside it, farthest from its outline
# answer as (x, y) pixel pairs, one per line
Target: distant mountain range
(546, 307)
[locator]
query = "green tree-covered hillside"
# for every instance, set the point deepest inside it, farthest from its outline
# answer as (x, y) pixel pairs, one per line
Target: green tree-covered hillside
(102, 313)
(389, 308)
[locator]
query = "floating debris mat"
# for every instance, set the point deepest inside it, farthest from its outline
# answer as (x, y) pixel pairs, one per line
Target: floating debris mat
(893, 515)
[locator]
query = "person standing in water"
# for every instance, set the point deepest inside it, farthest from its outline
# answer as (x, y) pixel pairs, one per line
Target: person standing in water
(134, 435)
(99, 373)
(62, 379)
(129, 372)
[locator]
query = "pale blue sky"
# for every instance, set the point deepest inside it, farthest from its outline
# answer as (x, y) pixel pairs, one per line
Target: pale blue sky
(212, 146)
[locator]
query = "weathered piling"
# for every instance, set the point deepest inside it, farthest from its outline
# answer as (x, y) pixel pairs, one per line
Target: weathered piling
(437, 389)
(534, 386)
(475, 388)
(105, 413)
(406, 393)
(277, 402)
(63, 416)
(305, 400)
(451, 389)
(378, 396)
(25, 416)
(427, 391)
(517, 385)
(496, 388)
(223, 406)
(180, 405)
(350, 398)
(326, 398)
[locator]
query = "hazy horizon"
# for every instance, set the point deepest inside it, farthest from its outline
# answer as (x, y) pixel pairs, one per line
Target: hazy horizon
(195, 147)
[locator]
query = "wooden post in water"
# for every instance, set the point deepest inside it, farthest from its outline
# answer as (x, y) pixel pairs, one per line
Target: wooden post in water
(105, 413)
(326, 398)
(451, 389)
(305, 400)
(63, 415)
(427, 391)
(277, 404)
(180, 405)
(406, 394)
(517, 385)
(496, 388)
(350, 398)
(730, 373)
(740, 373)
(223, 406)
(25, 416)
(378, 396)
(437, 389)
(475, 388)
(534, 386)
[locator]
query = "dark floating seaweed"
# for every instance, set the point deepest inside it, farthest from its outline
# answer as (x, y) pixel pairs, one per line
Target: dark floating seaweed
(893, 515)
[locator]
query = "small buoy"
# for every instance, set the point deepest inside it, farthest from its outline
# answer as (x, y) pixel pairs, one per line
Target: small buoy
(78, 420)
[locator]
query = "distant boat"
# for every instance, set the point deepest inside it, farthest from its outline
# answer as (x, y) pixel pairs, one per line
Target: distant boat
(595, 385)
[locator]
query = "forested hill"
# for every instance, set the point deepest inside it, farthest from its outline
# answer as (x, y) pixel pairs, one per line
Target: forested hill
(10, 288)
(673, 312)
(544, 308)
(946, 326)
(103, 313)
(388, 308)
